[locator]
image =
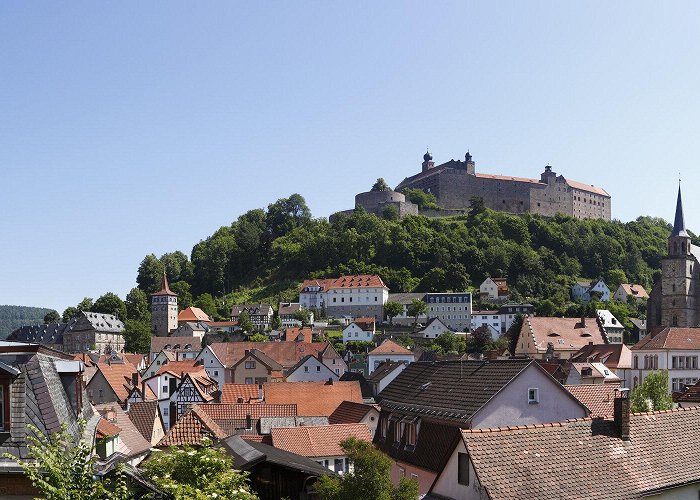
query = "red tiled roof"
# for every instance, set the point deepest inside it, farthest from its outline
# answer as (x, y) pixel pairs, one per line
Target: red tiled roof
(144, 416)
(159, 343)
(313, 399)
(585, 458)
(292, 333)
(233, 392)
(587, 187)
(222, 324)
(286, 354)
(670, 338)
(133, 358)
(118, 376)
(349, 412)
(599, 398)
(106, 429)
(179, 367)
(355, 281)
(613, 356)
(164, 288)
(318, 441)
(365, 323)
(390, 347)
(192, 427)
(193, 314)
(565, 334)
(132, 442)
(635, 290)
(253, 410)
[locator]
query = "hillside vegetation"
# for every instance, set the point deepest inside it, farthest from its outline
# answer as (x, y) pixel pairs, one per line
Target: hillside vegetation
(12, 317)
(264, 254)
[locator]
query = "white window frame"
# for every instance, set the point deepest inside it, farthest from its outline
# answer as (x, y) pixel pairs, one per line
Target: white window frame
(533, 395)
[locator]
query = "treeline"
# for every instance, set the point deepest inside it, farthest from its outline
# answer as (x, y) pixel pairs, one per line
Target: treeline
(265, 253)
(12, 317)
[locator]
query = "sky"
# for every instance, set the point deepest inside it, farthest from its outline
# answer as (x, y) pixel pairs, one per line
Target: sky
(130, 128)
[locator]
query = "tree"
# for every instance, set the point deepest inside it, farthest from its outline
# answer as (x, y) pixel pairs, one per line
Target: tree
(448, 342)
(69, 313)
(245, 323)
(391, 212)
(392, 309)
(258, 337)
(150, 274)
(184, 295)
(513, 333)
(421, 198)
(137, 336)
(476, 206)
(479, 339)
(380, 185)
(110, 303)
(52, 317)
(85, 305)
(207, 304)
(198, 474)
(137, 306)
(286, 214)
(370, 478)
(415, 309)
(652, 394)
(302, 315)
(61, 467)
(177, 266)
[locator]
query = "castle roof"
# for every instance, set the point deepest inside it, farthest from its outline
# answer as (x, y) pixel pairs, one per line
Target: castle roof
(165, 288)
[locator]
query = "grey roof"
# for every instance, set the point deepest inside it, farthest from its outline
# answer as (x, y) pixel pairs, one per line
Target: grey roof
(52, 333)
(99, 322)
(384, 369)
(247, 454)
(641, 324)
(405, 298)
(252, 309)
(678, 221)
(288, 308)
(269, 423)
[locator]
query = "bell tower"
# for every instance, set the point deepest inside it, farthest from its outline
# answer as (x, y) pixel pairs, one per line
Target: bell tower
(164, 309)
(678, 296)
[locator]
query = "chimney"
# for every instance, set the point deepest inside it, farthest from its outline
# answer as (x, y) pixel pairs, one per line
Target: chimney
(590, 342)
(135, 379)
(330, 381)
(583, 321)
(261, 394)
(143, 391)
(622, 414)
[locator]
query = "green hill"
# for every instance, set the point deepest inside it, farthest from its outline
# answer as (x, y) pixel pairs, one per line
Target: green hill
(12, 317)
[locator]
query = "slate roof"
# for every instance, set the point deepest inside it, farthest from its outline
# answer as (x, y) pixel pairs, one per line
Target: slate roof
(286, 308)
(313, 398)
(252, 309)
(52, 333)
(585, 458)
(384, 369)
(131, 440)
(670, 338)
(349, 412)
(247, 454)
(358, 377)
(566, 334)
(613, 356)
(159, 343)
(405, 298)
(598, 398)
(690, 395)
(318, 441)
(286, 354)
(233, 392)
(389, 347)
(144, 415)
(452, 390)
(269, 423)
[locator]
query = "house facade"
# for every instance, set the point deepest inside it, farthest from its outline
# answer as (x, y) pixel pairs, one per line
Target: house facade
(452, 309)
(361, 329)
(557, 338)
(614, 330)
(355, 296)
(260, 314)
(434, 329)
(494, 289)
(388, 351)
(627, 291)
(582, 290)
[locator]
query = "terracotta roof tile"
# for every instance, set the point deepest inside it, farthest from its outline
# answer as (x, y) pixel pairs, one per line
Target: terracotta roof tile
(106, 429)
(193, 314)
(161, 343)
(613, 356)
(390, 347)
(349, 412)
(354, 281)
(585, 458)
(635, 290)
(313, 398)
(144, 415)
(119, 377)
(599, 398)
(131, 440)
(248, 393)
(191, 428)
(670, 338)
(179, 367)
(286, 354)
(165, 288)
(566, 334)
(318, 441)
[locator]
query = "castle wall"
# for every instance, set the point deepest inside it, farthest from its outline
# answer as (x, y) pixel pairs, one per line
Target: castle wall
(551, 199)
(457, 186)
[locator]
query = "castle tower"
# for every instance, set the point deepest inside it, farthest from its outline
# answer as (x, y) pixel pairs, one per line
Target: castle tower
(548, 176)
(428, 162)
(678, 295)
(471, 165)
(163, 309)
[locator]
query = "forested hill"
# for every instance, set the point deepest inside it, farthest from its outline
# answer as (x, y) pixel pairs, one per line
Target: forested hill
(12, 317)
(264, 254)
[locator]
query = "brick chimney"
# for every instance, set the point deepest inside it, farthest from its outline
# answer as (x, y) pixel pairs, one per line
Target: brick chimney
(135, 379)
(583, 321)
(622, 414)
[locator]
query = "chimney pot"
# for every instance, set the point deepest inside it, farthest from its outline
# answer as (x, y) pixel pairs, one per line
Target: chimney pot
(622, 414)
(583, 321)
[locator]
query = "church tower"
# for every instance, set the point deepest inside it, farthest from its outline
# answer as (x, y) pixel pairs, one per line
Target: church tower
(678, 290)
(164, 309)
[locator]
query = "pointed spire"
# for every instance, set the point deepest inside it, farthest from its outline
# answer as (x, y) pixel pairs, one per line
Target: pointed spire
(678, 221)
(164, 288)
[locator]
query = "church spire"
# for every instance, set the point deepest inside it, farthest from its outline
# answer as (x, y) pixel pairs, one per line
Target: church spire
(678, 222)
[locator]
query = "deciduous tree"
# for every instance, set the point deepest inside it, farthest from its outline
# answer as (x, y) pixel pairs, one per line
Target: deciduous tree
(652, 394)
(52, 317)
(110, 303)
(392, 309)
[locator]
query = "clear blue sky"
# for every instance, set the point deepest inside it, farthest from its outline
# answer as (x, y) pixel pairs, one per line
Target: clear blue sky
(135, 127)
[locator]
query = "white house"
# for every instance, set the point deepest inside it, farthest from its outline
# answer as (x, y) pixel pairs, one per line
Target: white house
(384, 374)
(311, 369)
(357, 295)
(286, 312)
(494, 289)
(214, 366)
(673, 349)
(627, 290)
(491, 319)
(613, 328)
(590, 373)
(362, 329)
(582, 290)
(434, 329)
(388, 351)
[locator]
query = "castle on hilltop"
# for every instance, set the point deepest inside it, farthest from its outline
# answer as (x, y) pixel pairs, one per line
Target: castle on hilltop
(453, 183)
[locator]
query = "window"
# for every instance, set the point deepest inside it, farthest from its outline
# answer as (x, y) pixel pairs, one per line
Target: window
(165, 388)
(249, 380)
(533, 396)
(338, 465)
(250, 365)
(216, 373)
(414, 476)
(402, 472)
(165, 411)
(383, 427)
(411, 434)
(636, 362)
(306, 369)
(463, 468)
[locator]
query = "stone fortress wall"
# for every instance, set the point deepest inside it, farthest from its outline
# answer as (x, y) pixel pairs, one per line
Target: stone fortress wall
(376, 201)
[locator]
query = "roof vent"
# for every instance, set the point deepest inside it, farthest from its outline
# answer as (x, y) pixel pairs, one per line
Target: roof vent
(425, 386)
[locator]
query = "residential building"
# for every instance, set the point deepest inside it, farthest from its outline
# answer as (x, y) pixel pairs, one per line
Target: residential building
(313, 398)
(130, 442)
(508, 313)
(361, 329)
(434, 329)
(356, 296)
(147, 419)
(85, 333)
(627, 291)
(582, 290)
(190, 329)
(494, 290)
(673, 349)
(321, 443)
(182, 347)
(590, 373)
(256, 367)
(453, 309)
(616, 357)
(406, 299)
(112, 382)
(648, 455)
(487, 319)
(311, 369)
(614, 330)
(286, 312)
(424, 409)
(388, 351)
(639, 329)
(273, 472)
(358, 377)
(194, 315)
(260, 315)
(350, 412)
(164, 309)
(552, 338)
(383, 374)
(40, 387)
(242, 393)
(598, 398)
